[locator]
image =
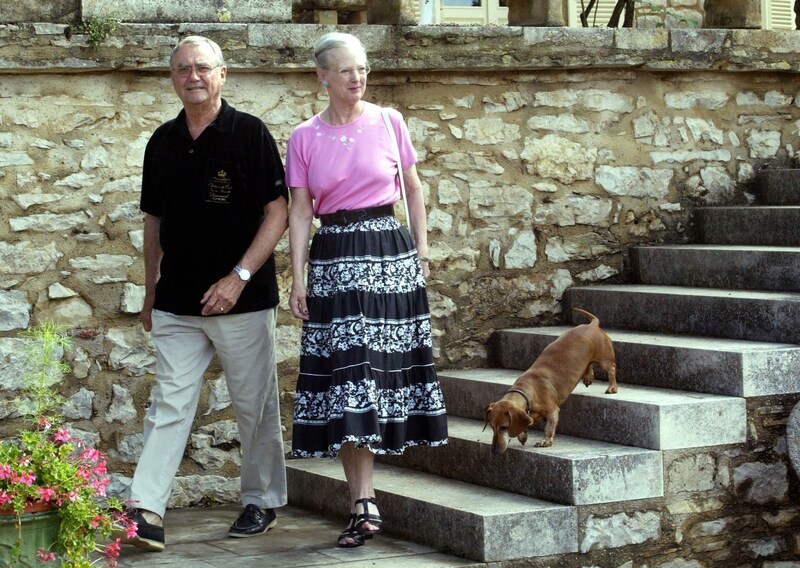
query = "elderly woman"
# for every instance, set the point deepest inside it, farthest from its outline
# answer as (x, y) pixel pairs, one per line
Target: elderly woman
(367, 383)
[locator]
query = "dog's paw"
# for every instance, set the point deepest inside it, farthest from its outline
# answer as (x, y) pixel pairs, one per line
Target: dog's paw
(544, 444)
(611, 390)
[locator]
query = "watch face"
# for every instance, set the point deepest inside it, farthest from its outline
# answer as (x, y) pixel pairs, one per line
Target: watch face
(243, 273)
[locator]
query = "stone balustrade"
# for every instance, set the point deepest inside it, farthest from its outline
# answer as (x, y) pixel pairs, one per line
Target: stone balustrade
(728, 14)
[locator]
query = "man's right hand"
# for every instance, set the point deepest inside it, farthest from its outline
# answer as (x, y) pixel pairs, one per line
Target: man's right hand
(146, 315)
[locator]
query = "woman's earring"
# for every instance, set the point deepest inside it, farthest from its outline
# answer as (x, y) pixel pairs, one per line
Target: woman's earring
(326, 84)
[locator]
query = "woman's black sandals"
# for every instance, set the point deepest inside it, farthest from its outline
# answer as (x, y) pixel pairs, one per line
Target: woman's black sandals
(367, 517)
(350, 537)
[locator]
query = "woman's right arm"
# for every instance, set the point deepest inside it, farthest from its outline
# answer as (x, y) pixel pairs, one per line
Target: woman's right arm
(301, 214)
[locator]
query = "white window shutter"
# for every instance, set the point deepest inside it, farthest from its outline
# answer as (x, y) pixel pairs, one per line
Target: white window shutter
(599, 17)
(778, 14)
(604, 10)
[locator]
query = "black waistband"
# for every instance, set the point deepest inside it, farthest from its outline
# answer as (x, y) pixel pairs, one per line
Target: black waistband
(347, 216)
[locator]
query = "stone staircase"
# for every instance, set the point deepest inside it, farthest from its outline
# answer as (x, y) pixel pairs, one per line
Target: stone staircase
(705, 328)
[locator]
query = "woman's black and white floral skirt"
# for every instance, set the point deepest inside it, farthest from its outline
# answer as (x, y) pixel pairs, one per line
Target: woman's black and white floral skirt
(366, 358)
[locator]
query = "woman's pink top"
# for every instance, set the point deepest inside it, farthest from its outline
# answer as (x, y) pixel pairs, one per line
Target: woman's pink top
(351, 166)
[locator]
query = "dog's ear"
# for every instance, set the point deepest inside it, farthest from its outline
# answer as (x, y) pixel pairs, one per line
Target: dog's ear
(519, 422)
(487, 412)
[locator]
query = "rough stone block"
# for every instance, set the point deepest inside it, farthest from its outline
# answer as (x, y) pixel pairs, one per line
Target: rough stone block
(340, 5)
(779, 186)
(643, 417)
(355, 17)
(573, 472)
(721, 366)
(732, 14)
(467, 520)
(546, 13)
(392, 12)
(54, 11)
(326, 17)
(173, 11)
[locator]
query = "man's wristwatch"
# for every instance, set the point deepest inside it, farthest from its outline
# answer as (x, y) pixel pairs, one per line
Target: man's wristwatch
(243, 273)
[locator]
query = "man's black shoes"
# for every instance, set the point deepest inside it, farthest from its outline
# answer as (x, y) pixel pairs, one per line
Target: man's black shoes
(148, 536)
(253, 521)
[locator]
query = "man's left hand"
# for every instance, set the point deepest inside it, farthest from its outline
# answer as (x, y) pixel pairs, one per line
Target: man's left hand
(223, 295)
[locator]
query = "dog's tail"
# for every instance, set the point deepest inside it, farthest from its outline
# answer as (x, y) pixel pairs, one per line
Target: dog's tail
(592, 317)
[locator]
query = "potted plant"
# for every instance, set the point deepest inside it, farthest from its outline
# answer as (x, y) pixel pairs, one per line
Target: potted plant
(46, 468)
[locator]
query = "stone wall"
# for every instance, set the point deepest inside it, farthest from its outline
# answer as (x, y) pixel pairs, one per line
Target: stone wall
(545, 154)
(726, 506)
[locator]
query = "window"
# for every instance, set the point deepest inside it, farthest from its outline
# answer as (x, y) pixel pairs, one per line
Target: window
(473, 11)
(777, 14)
(598, 18)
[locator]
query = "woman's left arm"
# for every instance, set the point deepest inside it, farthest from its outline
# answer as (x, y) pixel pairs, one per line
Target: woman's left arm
(419, 216)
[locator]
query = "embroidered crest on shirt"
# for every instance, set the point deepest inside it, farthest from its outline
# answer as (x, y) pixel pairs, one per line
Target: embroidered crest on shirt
(220, 188)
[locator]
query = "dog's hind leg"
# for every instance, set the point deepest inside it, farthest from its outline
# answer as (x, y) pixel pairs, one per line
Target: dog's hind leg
(609, 364)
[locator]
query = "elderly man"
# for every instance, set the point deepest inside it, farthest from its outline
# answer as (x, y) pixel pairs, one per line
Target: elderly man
(215, 206)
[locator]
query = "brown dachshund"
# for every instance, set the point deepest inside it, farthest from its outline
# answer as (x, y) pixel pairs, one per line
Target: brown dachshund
(541, 390)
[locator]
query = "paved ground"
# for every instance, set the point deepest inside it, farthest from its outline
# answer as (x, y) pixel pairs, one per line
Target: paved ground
(197, 538)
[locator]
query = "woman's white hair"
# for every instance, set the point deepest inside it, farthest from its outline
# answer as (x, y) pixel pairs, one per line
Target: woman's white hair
(198, 40)
(332, 41)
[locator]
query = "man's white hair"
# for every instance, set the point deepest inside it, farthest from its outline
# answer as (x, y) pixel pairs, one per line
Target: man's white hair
(198, 40)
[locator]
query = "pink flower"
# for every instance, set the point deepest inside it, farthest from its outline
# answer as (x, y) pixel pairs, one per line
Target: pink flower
(99, 485)
(45, 493)
(84, 473)
(5, 471)
(63, 435)
(5, 498)
(45, 556)
(25, 478)
(112, 550)
(91, 454)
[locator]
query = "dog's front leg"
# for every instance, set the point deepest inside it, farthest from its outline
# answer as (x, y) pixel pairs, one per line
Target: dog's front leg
(549, 429)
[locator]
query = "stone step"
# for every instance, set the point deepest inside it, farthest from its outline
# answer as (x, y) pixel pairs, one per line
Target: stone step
(574, 471)
(780, 186)
(737, 314)
(718, 266)
(777, 226)
(645, 417)
(467, 520)
(731, 367)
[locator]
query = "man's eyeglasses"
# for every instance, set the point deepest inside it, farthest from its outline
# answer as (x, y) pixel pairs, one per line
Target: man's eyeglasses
(202, 70)
(347, 72)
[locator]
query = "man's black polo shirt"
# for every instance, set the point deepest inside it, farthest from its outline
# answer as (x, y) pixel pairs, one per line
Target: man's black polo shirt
(210, 195)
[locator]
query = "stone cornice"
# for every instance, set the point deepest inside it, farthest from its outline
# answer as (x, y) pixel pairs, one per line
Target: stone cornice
(43, 47)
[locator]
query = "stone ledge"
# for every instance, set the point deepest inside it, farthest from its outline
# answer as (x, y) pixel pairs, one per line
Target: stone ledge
(46, 47)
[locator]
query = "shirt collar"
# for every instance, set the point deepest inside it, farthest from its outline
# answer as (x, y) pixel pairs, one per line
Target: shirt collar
(223, 122)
